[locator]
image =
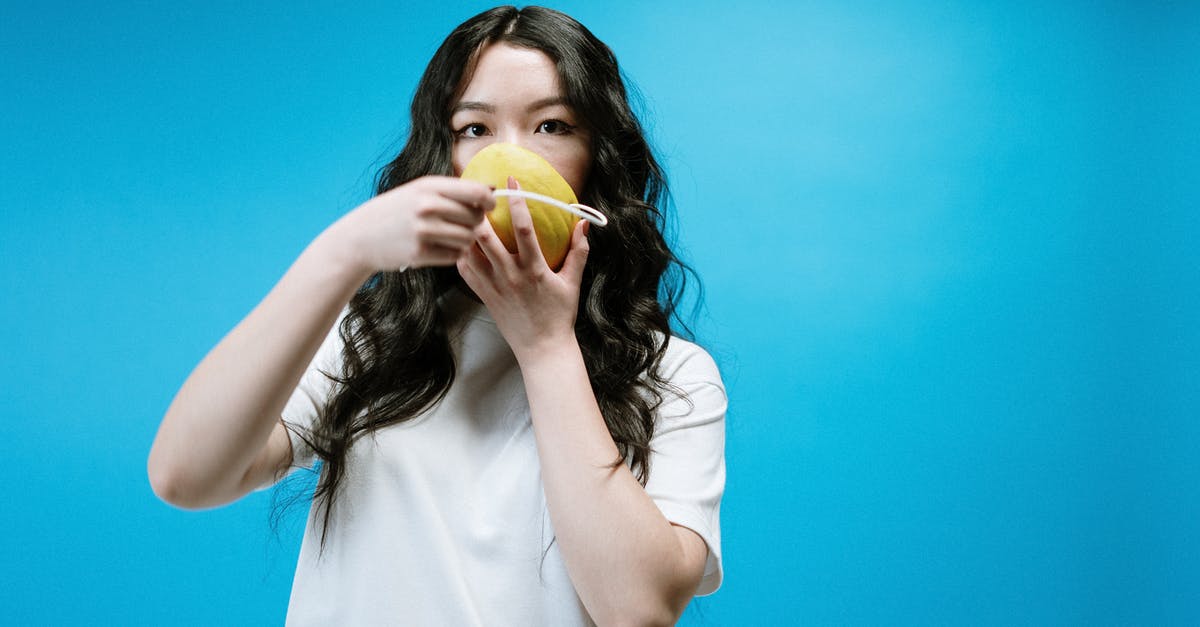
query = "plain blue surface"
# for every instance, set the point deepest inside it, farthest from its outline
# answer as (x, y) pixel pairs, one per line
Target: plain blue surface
(948, 253)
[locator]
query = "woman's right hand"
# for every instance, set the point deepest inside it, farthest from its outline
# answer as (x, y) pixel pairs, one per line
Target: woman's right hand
(428, 221)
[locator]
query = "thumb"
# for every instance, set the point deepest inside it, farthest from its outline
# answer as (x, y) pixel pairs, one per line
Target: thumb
(577, 256)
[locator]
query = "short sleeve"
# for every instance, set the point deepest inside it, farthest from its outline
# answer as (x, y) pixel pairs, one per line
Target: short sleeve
(687, 465)
(310, 394)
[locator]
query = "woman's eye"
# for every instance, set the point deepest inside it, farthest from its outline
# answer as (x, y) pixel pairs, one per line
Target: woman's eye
(554, 127)
(472, 130)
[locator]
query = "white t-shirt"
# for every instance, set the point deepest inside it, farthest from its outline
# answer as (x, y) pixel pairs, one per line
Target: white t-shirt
(441, 520)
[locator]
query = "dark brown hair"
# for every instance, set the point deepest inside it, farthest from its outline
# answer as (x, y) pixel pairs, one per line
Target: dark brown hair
(397, 360)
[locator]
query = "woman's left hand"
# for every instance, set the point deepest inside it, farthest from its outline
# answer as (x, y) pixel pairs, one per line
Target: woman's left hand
(533, 306)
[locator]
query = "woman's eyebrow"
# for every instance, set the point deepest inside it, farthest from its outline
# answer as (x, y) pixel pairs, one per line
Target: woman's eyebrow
(546, 103)
(471, 105)
(536, 105)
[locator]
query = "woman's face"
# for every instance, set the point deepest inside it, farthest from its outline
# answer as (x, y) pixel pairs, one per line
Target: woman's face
(515, 97)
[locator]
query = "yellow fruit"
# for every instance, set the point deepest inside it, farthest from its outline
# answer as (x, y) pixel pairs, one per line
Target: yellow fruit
(494, 164)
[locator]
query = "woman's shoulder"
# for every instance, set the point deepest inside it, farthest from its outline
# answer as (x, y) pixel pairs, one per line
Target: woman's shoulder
(685, 361)
(691, 389)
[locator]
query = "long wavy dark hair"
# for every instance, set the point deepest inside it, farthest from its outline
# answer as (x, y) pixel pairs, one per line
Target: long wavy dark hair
(397, 360)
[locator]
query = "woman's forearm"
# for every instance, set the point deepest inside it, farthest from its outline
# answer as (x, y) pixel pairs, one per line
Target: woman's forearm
(223, 415)
(224, 412)
(621, 553)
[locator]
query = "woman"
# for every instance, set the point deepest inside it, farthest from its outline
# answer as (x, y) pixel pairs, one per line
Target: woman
(501, 443)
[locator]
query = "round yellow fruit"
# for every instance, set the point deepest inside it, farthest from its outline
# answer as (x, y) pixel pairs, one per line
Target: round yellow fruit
(494, 164)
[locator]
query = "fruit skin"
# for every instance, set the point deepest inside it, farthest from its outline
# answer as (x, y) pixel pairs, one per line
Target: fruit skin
(553, 226)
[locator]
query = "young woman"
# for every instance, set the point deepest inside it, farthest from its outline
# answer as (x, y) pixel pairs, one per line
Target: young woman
(500, 443)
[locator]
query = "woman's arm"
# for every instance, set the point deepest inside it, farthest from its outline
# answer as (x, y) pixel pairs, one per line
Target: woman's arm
(627, 562)
(223, 414)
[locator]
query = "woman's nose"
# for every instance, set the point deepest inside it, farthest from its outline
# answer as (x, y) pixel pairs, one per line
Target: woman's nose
(510, 135)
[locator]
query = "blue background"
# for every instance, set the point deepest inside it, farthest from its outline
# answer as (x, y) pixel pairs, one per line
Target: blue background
(947, 251)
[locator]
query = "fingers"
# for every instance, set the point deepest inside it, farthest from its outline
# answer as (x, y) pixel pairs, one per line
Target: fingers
(490, 246)
(434, 255)
(472, 195)
(435, 233)
(466, 269)
(577, 257)
(477, 271)
(445, 225)
(529, 253)
(444, 219)
(438, 207)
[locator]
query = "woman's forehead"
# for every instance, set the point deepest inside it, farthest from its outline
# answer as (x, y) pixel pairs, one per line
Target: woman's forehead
(503, 74)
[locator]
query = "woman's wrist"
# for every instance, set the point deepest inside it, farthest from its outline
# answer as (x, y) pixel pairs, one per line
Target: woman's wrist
(549, 355)
(333, 250)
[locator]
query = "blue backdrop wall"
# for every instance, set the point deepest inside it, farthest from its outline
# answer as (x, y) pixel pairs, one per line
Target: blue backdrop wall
(947, 251)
